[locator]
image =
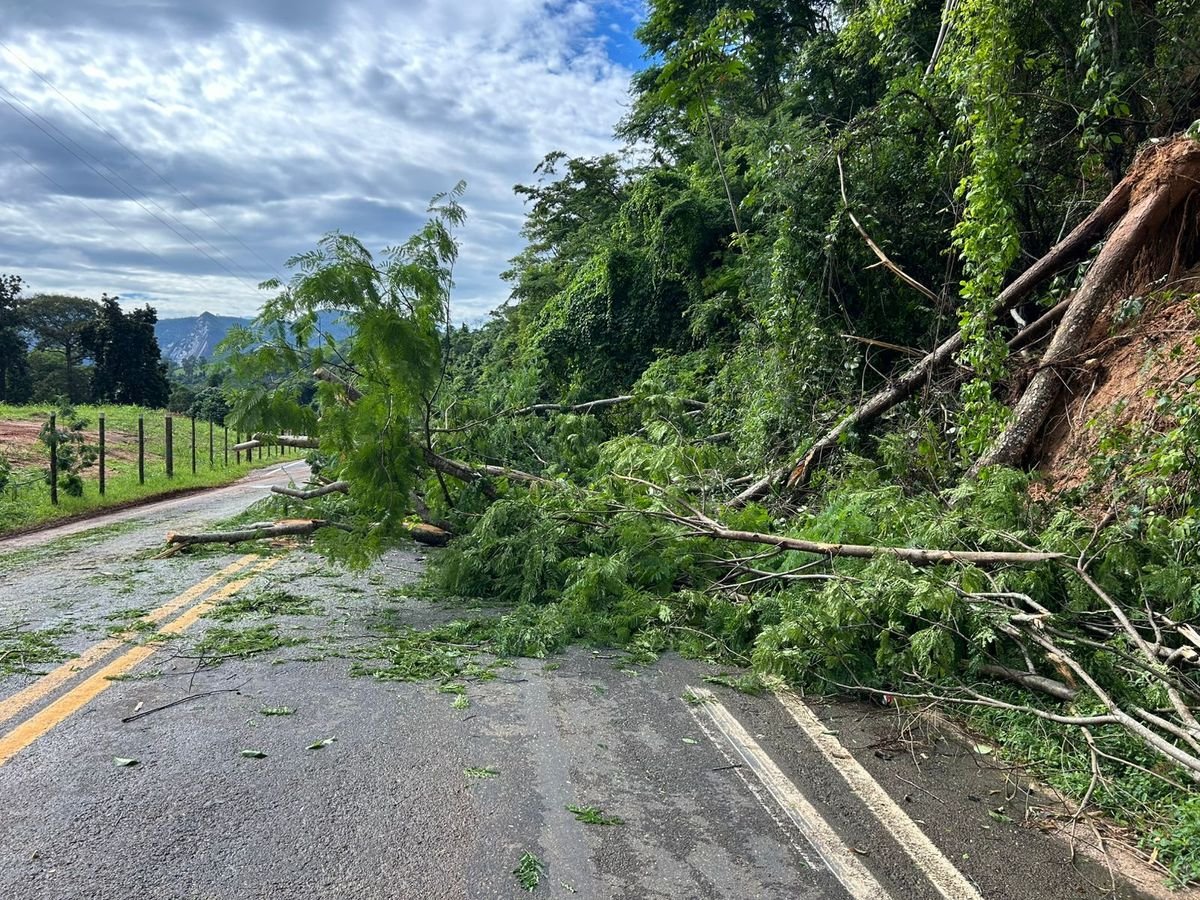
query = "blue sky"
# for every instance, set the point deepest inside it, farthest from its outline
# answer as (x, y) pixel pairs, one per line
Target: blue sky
(177, 152)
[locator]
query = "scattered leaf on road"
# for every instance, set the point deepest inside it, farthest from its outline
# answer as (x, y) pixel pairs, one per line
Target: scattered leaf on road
(254, 754)
(124, 762)
(690, 740)
(593, 815)
(529, 871)
(277, 711)
(317, 745)
(476, 772)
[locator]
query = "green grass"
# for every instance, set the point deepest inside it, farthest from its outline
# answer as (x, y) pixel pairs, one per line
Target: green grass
(30, 505)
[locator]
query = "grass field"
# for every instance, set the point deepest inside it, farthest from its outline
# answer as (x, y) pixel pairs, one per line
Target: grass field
(26, 501)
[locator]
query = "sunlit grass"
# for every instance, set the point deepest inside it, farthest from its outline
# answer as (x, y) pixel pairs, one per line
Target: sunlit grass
(26, 501)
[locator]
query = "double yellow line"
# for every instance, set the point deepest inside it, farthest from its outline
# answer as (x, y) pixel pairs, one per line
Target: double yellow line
(30, 729)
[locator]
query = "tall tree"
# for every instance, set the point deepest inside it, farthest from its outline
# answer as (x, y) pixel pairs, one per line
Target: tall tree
(57, 322)
(14, 365)
(128, 364)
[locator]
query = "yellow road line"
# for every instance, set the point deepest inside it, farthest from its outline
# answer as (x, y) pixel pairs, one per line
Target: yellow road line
(55, 678)
(79, 696)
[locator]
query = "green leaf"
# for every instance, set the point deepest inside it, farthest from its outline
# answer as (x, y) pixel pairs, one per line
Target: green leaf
(254, 754)
(317, 745)
(124, 762)
(593, 815)
(476, 772)
(529, 871)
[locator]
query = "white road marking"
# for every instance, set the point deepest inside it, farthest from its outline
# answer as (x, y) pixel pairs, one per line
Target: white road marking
(838, 858)
(942, 874)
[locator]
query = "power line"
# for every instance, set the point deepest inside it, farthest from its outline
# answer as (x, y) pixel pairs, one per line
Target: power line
(41, 123)
(33, 121)
(139, 158)
(87, 205)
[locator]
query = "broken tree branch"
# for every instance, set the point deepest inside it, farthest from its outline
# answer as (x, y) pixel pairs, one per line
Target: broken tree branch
(883, 258)
(1065, 253)
(351, 393)
(703, 526)
(537, 408)
(284, 528)
(1033, 681)
(336, 487)
(302, 442)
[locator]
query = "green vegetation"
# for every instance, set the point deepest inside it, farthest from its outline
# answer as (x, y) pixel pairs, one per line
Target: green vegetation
(481, 772)
(529, 871)
(261, 604)
(657, 442)
(25, 501)
(45, 339)
(220, 643)
(28, 651)
(592, 815)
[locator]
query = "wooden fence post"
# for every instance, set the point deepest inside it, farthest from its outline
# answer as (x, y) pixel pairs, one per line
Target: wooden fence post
(226, 429)
(101, 454)
(193, 445)
(212, 459)
(170, 423)
(53, 459)
(237, 439)
(141, 449)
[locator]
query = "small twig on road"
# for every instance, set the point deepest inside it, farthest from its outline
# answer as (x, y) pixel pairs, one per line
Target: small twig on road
(921, 789)
(146, 712)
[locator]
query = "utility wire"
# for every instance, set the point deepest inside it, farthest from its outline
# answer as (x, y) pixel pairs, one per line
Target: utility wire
(87, 205)
(140, 159)
(33, 120)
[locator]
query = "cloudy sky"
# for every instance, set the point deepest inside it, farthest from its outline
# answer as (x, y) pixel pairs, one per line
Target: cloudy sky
(178, 151)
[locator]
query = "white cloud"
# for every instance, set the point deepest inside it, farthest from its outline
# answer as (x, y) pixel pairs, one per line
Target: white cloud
(283, 126)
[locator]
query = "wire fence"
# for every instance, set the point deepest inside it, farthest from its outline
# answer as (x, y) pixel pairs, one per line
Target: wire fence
(197, 444)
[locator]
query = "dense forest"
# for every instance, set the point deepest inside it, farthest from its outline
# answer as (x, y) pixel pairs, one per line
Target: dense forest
(868, 364)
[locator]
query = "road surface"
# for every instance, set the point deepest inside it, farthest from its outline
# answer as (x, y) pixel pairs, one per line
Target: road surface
(389, 789)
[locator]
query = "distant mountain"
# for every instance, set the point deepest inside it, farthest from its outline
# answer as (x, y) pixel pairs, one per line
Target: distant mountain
(193, 335)
(199, 335)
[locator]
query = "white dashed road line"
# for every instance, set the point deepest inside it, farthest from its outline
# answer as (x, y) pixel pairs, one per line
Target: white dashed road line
(838, 858)
(942, 874)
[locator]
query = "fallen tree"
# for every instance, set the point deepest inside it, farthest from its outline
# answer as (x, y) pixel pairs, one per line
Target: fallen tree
(1162, 182)
(422, 533)
(1064, 254)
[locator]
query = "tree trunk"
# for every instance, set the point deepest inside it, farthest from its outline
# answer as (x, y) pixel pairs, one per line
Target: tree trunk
(336, 487)
(1160, 192)
(1065, 253)
(421, 533)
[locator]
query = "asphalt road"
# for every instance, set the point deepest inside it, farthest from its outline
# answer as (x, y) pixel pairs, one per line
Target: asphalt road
(385, 789)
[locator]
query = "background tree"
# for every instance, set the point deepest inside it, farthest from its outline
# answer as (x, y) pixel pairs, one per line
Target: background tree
(14, 367)
(128, 367)
(56, 323)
